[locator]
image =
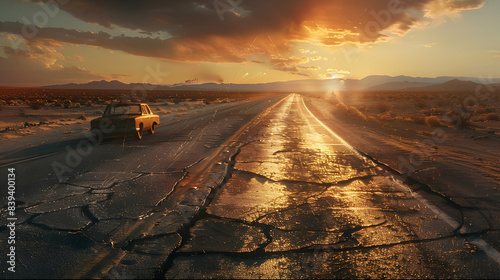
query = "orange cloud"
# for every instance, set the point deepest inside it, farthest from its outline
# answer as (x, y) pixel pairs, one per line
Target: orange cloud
(314, 58)
(196, 32)
(289, 64)
(20, 70)
(439, 8)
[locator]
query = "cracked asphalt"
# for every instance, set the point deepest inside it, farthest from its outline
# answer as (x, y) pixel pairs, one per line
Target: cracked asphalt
(260, 189)
(122, 205)
(300, 203)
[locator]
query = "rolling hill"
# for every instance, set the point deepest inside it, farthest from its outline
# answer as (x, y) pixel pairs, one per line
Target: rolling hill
(376, 82)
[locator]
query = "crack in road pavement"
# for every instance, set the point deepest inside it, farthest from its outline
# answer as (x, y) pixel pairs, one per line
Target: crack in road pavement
(129, 245)
(260, 252)
(184, 175)
(265, 228)
(286, 181)
(84, 208)
(409, 181)
(184, 231)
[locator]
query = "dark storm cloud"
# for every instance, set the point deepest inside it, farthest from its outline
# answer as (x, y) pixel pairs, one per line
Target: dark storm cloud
(194, 19)
(174, 49)
(197, 33)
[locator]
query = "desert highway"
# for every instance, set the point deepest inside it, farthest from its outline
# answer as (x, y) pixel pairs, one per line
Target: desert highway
(252, 189)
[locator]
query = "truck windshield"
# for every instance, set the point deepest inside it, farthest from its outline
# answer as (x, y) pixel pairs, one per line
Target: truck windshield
(123, 109)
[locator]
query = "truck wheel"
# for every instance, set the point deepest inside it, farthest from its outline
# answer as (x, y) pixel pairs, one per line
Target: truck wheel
(152, 129)
(139, 133)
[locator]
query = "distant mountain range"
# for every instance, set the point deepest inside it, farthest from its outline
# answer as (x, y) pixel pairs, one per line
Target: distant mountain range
(114, 84)
(398, 85)
(453, 85)
(375, 82)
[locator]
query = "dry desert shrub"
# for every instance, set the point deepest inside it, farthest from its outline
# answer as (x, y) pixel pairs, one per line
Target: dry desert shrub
(363, 108)
(490, 109)
(479, 111)
(161, 110)
(382, 107)
(480, 118)
(66, 103)
(36, 104)
(353, 111)
(438, 111)
(348, 111)
(433, 111)
(418, 119)
(441, 102)
(432, 121)
(459, 118)
(385, 117)
(3, 103)
(421, 104)
(492, 117)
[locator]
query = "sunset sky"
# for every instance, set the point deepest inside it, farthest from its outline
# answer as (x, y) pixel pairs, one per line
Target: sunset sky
(244, 41)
